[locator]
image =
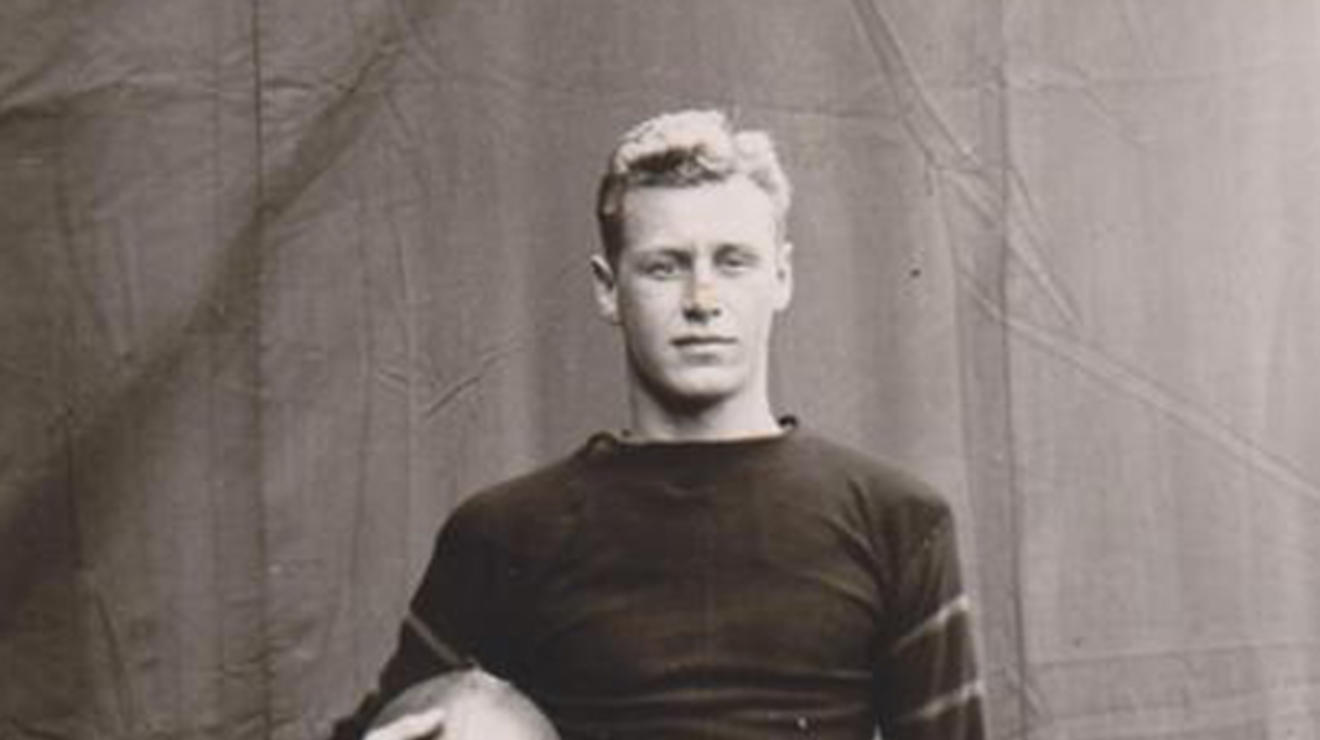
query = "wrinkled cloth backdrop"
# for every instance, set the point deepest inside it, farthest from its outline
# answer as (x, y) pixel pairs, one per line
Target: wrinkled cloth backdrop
(280, 283)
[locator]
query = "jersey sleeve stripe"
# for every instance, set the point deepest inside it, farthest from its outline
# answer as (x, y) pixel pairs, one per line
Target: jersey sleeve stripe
(933, 623)
(945, 702)
(437, 647)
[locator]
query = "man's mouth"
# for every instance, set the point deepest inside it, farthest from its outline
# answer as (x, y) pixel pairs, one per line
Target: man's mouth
(702, 340)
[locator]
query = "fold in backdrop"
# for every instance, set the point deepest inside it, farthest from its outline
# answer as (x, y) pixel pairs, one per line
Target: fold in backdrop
(280, 283)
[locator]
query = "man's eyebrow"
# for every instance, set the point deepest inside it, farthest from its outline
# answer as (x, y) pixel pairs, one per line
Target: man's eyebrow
(665, 250)
(737, 249)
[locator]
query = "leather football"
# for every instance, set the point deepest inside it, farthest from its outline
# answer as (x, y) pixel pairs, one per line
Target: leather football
(478, 706)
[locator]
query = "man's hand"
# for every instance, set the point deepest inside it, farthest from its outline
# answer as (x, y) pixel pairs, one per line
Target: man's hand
(426, 724)
(464, 705)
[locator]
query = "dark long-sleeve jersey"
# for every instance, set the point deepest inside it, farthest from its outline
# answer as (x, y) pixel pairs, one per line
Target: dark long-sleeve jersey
(783, 587)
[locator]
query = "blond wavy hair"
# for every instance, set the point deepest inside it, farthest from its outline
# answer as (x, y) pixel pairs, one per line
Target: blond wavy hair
(685, 149)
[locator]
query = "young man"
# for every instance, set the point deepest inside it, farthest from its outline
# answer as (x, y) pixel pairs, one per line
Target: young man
(712, 571)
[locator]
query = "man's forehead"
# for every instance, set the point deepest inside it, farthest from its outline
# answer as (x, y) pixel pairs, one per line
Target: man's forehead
(666, 230)
(735, 191)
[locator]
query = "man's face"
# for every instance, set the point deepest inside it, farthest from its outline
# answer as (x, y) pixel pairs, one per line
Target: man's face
(695, 289)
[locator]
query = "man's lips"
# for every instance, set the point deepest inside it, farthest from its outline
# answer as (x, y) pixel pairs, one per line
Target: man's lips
(695, 340)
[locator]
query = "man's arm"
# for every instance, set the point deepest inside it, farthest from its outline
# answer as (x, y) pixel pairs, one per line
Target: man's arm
(450, 618)
(418, 656)
(927, 675)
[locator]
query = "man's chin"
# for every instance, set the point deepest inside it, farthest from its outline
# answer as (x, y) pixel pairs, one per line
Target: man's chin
(692, 389)
(697, 394)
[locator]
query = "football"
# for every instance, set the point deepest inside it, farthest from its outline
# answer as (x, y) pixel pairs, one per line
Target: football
(477, 706)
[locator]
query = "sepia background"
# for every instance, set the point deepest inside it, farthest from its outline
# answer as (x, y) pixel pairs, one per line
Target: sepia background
(281, 282)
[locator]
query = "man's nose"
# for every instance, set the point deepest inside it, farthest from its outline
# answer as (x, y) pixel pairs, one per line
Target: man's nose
(700, 296)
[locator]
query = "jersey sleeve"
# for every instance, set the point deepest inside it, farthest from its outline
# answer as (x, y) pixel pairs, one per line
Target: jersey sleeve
(451, 620)
(927, 682)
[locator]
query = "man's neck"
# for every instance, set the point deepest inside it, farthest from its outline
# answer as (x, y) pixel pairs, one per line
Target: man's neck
(654, 422)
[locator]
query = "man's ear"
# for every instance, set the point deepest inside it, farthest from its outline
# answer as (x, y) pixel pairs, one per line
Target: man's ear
(784, 275)
(607, 288)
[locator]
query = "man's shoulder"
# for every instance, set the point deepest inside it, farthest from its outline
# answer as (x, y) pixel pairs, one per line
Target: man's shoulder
(527, 493)
(900, 512)
(533, 510)
(864, 473)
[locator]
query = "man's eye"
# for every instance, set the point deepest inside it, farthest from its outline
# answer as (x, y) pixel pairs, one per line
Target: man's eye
(660, 268)
(737, 260)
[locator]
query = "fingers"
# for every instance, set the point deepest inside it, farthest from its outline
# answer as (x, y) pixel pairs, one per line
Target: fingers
(411, 726)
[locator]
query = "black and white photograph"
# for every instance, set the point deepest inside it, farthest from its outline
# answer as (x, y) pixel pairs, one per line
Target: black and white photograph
(659, 370)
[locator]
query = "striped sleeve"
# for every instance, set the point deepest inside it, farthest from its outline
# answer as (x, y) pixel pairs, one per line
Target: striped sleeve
(927, 676)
